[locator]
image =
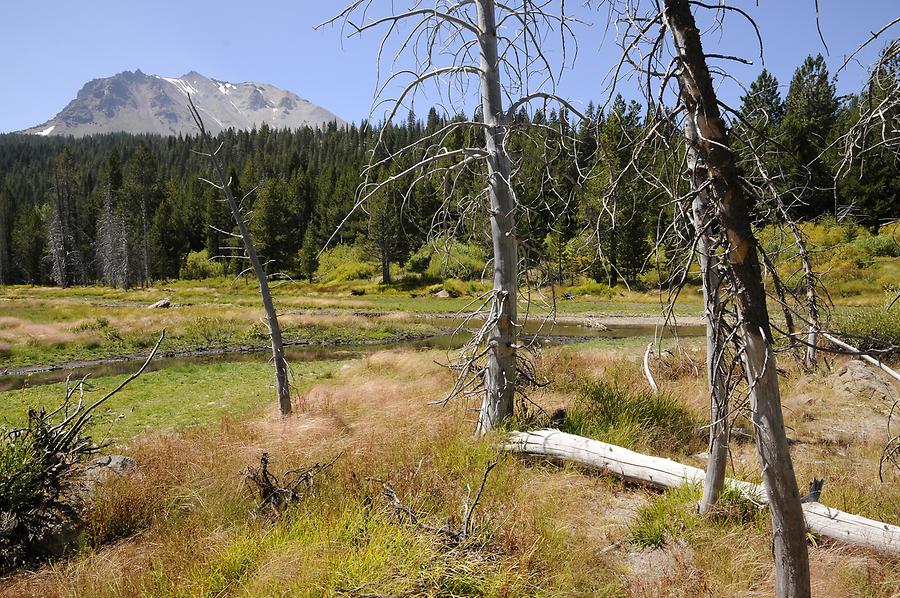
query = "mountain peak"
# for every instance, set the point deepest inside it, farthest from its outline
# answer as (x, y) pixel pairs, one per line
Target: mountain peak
(134, 102)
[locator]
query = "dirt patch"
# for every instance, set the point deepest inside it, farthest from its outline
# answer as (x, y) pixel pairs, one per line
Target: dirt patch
(655, 572)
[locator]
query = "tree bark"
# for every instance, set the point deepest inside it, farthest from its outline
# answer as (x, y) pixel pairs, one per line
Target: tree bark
(385, 267)
(698, 96)
(665, 473)
(500, 373)
(702, 212)
(282, 386)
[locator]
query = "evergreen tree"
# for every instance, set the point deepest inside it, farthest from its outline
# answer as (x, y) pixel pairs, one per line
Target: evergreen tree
(141, 187)
(6, 215)
(810, 115)
(308, 260)
(28, 244)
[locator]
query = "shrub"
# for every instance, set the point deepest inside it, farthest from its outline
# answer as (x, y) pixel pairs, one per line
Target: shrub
(455, 259)
(595, 289)
(458, 288)
(581, 255)
(198, 266)
(344, 263)
(878, 246)
(102, 326)
(876, 327)
(419, 261)
(21, 475)
(38, 508)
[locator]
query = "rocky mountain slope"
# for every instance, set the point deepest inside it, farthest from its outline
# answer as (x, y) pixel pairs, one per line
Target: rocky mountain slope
(134, 102)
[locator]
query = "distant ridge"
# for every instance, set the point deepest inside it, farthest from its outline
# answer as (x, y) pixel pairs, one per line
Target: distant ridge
(134, 102)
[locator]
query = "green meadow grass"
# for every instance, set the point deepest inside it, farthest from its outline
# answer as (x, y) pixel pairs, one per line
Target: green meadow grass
(175, 398)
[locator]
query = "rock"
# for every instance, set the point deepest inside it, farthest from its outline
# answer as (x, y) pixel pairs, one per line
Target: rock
(102, 468)
(442, 294)
(863, 381)
(162, 303)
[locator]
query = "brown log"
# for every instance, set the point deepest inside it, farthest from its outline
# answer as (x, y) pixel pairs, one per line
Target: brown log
(664, 473)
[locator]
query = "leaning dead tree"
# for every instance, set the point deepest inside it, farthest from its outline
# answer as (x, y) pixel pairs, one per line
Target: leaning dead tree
(491, 55)
(698, 97)
(661, 42)
(282, 384)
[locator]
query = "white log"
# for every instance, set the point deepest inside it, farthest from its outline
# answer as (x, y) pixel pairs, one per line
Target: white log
(665, 473)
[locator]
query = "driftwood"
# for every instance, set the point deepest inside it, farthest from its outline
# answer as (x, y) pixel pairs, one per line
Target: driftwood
(161, 304)
(665, 473)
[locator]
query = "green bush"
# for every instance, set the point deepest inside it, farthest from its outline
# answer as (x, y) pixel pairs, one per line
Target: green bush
(876, 327)
(581, 256)
(592, 288)
(21, 475)
(344, 263)
(419, 261)
(198, 266)
(459, 288)
(618, 415)
(877, 246)
(454, 259)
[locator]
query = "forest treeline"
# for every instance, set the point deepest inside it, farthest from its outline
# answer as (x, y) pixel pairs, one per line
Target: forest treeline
(125, 210)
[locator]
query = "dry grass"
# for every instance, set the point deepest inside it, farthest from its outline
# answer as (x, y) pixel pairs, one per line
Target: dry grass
(186, 526)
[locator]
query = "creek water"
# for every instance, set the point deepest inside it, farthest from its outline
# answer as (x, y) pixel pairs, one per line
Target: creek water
(544, 333)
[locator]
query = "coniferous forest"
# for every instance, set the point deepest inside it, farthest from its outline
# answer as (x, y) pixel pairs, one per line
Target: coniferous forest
(124, 210)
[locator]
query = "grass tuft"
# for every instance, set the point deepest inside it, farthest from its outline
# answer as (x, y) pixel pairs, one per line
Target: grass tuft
(670, 516)
(618, 415)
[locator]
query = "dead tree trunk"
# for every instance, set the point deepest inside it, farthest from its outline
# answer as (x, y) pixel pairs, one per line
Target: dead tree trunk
(500, 373)
(809, 281)
(702, 212)
(809, 275)
(699, 98)
(385, 267)
(282, 386)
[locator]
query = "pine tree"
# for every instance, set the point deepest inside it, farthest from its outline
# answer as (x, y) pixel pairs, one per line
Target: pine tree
(141, 187)
(28, 244)
(810, 115)
(6, 214)
(308, 259)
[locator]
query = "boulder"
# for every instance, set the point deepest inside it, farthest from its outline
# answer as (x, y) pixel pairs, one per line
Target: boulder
(860, 380)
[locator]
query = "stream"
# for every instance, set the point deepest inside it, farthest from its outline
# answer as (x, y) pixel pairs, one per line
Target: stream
(544, 333)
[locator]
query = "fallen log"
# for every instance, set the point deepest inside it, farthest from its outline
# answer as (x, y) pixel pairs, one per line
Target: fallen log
(665, 473)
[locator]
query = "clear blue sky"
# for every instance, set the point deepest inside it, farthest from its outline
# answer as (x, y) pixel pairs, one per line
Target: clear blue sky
(50, 48)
